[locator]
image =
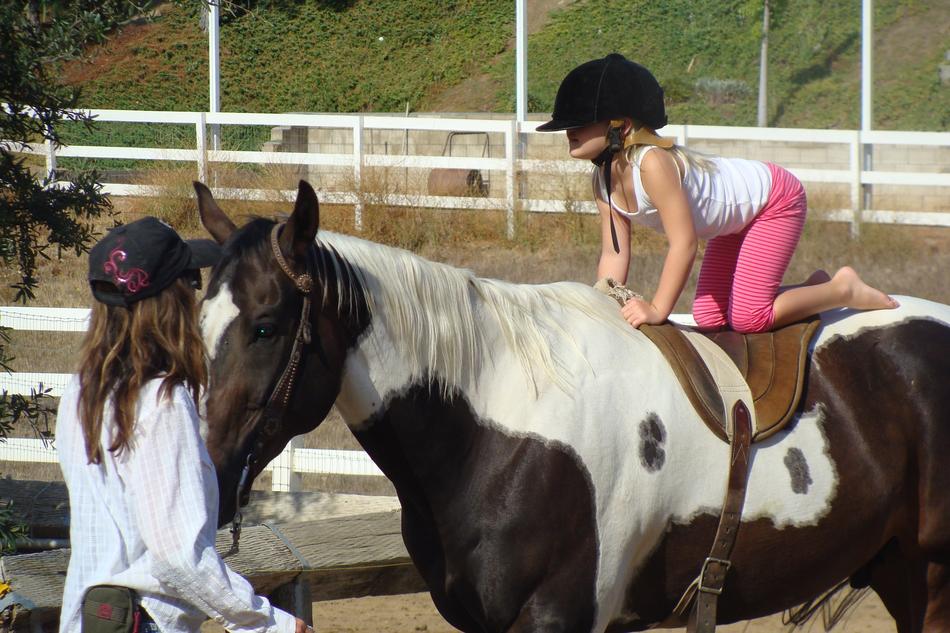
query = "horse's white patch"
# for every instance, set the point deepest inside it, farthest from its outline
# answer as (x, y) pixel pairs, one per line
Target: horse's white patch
(217, 313)
(844, 322)
(360, 398)
(203, 415)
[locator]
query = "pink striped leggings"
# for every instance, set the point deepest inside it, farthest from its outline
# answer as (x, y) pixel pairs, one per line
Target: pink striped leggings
(741, 273)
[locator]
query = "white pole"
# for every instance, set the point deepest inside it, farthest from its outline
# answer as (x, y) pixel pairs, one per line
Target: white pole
(202, 139)
(521, 90)
(867, 41)
(521, 60)
(510, 134)
(214, 73)
(358, 172)
(50, 161)
(764, 68)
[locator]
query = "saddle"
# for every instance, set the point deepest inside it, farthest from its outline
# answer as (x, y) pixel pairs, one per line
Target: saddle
(716, 369)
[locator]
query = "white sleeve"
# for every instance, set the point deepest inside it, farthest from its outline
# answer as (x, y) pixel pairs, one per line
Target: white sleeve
(166, 482)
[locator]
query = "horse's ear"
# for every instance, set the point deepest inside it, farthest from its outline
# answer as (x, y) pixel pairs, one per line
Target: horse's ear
(213, 218)
(304, 222)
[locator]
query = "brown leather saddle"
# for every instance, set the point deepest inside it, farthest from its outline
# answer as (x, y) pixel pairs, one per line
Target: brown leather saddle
(774, 367)
(772, 363)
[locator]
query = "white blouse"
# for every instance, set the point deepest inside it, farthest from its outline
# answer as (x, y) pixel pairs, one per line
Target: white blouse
(723, 200)
(147, 520)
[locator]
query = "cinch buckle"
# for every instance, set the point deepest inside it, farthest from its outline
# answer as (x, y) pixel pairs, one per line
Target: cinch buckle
(702, 574)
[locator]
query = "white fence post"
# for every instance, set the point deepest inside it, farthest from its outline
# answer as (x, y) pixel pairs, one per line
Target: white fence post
(511, 133)
(50, 161)
(202, 141)
(358, 171)
(856, 187)
(283, 478)
(683, 137)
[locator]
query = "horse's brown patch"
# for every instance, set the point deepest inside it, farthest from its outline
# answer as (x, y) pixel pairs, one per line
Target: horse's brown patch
(652, 439)
(797, 467)
(498, 536)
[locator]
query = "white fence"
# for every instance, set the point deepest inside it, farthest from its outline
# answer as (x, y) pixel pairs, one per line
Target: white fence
(856, 176)
(285, 468)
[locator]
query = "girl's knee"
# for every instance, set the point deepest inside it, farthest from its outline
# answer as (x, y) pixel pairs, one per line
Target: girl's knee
(750, 321)
(709, 317)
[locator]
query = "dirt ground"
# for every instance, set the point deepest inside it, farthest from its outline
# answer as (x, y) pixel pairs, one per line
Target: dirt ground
(415, 612)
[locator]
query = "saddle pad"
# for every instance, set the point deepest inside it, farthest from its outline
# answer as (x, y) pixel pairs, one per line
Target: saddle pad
(771, 364)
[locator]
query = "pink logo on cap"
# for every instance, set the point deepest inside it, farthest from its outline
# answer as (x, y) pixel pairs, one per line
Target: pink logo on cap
(134, 279)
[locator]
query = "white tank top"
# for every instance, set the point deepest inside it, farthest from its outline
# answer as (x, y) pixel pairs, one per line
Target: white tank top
(722, 201)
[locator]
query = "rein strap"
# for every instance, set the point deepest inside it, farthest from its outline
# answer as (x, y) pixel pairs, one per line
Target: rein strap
(273, 411)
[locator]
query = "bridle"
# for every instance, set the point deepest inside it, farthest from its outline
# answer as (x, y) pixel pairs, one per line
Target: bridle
(269, 419)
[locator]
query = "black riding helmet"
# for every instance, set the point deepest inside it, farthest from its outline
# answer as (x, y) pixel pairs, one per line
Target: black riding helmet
(612, 87)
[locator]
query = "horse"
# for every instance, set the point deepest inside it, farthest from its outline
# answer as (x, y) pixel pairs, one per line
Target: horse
(552, 474)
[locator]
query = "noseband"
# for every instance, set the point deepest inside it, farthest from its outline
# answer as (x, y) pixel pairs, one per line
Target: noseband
(272, 413)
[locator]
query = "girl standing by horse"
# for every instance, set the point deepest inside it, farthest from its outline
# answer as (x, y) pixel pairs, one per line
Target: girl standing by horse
(142, 489)
(751, 212)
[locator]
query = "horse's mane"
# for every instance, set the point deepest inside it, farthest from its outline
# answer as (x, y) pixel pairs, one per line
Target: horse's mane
(436, 309)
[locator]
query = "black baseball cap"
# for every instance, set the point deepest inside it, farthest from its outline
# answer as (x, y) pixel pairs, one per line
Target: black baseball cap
(142, 258)
(611, 87)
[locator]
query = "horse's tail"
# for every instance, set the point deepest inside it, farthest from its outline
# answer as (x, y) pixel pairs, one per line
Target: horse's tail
(833, 607)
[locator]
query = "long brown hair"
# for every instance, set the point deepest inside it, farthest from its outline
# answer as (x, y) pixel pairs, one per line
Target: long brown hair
(124, 348)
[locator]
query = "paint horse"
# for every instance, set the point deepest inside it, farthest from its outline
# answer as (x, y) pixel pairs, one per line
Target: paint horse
(552, 474)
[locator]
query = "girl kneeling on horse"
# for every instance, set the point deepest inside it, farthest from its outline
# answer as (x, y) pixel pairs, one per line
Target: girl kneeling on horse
(751, 212)
(142, 489)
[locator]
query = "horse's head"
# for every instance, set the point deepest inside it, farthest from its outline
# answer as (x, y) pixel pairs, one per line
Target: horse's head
(276, 333)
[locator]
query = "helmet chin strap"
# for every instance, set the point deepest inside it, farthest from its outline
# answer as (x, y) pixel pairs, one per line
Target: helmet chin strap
(606, 159)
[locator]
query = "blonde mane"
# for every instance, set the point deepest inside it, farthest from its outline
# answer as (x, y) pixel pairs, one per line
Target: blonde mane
(437, 308)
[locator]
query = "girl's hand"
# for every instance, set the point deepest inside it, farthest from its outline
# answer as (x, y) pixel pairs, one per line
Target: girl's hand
(637, 312)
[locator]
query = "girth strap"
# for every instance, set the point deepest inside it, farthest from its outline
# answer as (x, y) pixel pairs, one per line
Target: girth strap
(704, 592)
(712, 577)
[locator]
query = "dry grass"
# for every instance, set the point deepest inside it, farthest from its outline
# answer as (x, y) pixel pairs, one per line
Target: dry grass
(548, 247)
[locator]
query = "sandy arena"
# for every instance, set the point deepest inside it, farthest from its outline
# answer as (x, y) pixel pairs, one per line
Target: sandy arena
(415, 612)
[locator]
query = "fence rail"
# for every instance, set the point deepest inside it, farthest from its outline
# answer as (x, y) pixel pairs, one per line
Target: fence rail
(292, 461)
(856, 176)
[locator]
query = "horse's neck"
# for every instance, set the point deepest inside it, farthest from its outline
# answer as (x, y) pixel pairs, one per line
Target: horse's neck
(382, 366)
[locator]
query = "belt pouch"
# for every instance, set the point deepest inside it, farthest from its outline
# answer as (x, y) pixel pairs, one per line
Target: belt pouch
(110, 609)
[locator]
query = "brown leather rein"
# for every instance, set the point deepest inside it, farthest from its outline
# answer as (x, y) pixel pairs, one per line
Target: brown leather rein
(268, 421)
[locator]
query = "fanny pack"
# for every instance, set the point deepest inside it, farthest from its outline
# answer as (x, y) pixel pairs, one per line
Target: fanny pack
(110, 609)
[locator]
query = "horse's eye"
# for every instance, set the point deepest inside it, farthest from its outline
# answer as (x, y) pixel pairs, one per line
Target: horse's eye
(264, 330)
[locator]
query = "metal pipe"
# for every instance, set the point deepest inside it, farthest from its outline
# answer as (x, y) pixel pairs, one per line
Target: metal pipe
(521, 60)
(214, 70)
(26, 544)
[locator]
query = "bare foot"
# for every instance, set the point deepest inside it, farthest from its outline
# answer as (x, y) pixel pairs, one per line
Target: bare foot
(858, 295)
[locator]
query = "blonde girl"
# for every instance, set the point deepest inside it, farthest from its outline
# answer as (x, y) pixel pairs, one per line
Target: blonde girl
(751, 212)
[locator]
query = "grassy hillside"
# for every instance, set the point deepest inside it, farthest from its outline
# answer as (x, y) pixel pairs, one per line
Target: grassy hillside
(380, 55)
(305, 56)
(705, 53)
